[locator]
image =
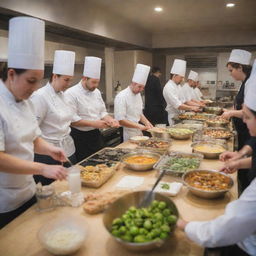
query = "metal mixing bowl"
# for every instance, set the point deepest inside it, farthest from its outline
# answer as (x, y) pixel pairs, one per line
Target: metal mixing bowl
(208, 155)
(178, 136)
(140, 167)
(160, 135)
(121, 205)
(213, 110)
(204, 193)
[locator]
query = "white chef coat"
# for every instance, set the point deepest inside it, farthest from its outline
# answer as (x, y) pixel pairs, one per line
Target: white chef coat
(198, 94)
(186, 91)
(128, 106)
(54, 116)
(171, 96)
(181, 93)
(236, 226)
(86, 105)
(18, 130)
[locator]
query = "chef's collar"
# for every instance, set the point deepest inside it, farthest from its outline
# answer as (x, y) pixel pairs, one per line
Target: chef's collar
(52, 90)
(84, 90)
(7, 93)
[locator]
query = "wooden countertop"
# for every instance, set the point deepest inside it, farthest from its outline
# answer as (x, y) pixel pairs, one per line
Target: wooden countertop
(19, 238)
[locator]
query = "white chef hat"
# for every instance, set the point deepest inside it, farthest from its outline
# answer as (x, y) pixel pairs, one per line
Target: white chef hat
(250, 89)
(92, 67)
(140, 75)
(64, 62)
(193, 75)
(26, 43)
(240, 56)
(179, 67)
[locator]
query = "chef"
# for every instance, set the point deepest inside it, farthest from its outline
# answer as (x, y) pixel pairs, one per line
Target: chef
(128, 105)
(19, 131)
(154, 101)
(240, 69)
(171, 92)
(53, 113)
(89, 109)
(235, 230)
(188, 91)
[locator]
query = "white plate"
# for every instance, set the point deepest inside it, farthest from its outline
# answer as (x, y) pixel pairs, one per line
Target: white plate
(174, 188)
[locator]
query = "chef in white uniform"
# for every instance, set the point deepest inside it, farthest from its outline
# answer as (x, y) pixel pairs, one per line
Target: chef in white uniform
(128, 105)
(236, 228)
(89, 109)
(53, 113)
(188, 91)
(19, 131)
(175, 102)
(198, 92)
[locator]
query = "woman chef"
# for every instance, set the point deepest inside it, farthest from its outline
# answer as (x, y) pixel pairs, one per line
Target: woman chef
(175, 101)
(19, 131)
(53, 113)
(236, 228)
(128, 105)
(240, 69)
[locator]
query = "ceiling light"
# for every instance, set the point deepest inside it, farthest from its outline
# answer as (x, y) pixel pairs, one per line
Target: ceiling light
(230, 5)
(158, 9)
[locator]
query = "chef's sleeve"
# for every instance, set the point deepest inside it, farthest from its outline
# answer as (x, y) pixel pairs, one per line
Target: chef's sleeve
(119, 108)
(2, 137)
(172, 98)
(237, 223)
(251, 142)
(103, 110)
(73, 105)
(39, 107)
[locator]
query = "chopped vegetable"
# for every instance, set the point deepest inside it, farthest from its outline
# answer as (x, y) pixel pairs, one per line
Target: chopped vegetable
(165, 186)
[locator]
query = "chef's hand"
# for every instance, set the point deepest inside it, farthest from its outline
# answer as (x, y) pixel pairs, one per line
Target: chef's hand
(230, 167)
(100, 124)
(181, 224)
(228, 156)
(57, 154)
(149, 125)
(56, 172)
(226, 114)
(196, 109)
(113, 123)
(143, 127)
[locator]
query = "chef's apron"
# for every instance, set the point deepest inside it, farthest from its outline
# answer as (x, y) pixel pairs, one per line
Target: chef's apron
(243, 136)
(67, 144)
(86, 142)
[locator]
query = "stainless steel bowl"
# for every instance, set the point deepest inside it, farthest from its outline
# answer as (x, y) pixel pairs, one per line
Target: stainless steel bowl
(204, 193)
(177, 136)
(217, 124)
(213, 110)
(160, 135)
(208, 155)
(121, 205)
(140, 167)
(142, 146)
(218, 128)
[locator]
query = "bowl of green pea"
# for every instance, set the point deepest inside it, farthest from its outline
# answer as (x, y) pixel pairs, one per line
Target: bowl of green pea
(141, 229)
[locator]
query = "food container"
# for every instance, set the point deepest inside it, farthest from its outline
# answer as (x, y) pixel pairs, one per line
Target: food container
(63, 236)
(156, 145)
(138, 139)
(217, 132)
(45, 197)
(95, 176)
(121, 205)
(193, 126)
(180, 133)
(160, 133)
(210, 149)
(217, 122)
(136, 166)
(196, 116)
(209, 194)
(213, 110)
(164, 163)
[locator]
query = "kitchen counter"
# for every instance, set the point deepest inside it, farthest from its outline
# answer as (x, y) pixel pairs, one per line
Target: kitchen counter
(19, 238)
